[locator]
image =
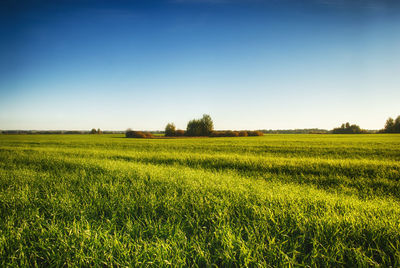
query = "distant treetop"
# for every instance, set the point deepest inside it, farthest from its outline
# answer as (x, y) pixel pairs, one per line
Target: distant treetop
(348, 129)
(392, 126)
(200, 127)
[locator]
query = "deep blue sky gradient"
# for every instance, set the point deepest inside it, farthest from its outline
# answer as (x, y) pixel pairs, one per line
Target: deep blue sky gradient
(250, 64)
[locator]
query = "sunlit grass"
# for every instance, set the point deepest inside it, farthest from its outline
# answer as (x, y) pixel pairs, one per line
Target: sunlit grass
(319, 200)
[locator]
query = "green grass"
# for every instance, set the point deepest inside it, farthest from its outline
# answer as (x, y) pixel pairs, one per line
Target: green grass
(277, 200)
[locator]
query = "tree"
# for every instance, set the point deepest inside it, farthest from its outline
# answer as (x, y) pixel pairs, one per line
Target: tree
(99, 131)
(397, 125)
(392, 126)
(389, 126)
(193, 128)
(348, 129)
(207, 125)
(200, 127)
(170, 130)
(93, 131)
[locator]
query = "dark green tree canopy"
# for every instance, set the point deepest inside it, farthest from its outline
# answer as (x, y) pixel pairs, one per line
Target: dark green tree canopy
(200, 127)
(392, 126)
(348, 129)
(170, 130)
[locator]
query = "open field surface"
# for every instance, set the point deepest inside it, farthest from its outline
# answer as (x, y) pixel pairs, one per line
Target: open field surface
(317, 200)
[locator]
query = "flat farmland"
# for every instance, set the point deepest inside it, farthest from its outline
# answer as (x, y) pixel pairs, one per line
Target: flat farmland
(276, 200)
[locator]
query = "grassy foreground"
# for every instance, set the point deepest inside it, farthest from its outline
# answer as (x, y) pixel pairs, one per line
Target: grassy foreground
(277, 200)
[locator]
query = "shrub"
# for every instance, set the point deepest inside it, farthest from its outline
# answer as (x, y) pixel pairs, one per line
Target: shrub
(138, 134)
(231, 133)
(227, 133)
(243, 134)
(216, 134)
(180, 133)
(255, 133)
(170, 130)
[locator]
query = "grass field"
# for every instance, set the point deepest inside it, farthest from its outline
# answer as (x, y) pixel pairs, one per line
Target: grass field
(277, 200)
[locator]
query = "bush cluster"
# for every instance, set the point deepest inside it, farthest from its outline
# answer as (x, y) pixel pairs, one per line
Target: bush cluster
(244, 133)
(180, 133)
(204, 127)
(230, 133)
(195, 128)
(255, 133)
(138, 134)
(348, 129)
(94, 131)
(170, 131)
(227, 133)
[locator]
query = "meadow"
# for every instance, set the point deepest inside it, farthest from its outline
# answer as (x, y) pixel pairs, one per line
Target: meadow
(276, 200)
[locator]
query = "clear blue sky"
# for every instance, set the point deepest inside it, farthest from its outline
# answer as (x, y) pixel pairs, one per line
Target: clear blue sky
(250, 64)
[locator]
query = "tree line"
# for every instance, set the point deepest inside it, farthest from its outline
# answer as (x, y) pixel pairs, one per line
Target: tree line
(392, 126)
(96, 131)
(349, 129)
(204, 127)
(295, 131)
